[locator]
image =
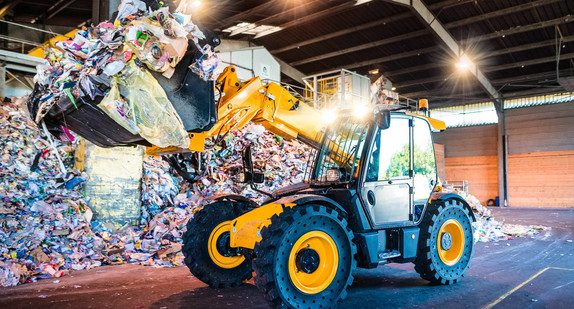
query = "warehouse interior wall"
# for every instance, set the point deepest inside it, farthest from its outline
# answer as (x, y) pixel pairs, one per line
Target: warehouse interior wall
(541, 155)
(471, 154)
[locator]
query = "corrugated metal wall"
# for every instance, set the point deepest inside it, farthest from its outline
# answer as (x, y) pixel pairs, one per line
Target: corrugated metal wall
(540, 128)
(540, 160)
(541, 155)
(471, 154)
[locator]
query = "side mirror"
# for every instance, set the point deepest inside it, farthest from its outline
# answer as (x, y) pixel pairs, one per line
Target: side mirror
(247, 161)
(383, 119)
(249, 176)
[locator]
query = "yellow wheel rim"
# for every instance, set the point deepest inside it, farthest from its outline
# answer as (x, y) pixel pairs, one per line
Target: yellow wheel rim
(450, 242)
(322, 274)
(217, 258)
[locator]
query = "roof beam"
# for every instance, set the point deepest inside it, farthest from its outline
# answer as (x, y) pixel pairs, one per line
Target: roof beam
(501, 81)
(514, 49)
(9, 6)
(509, 31)
(58, 10)
(531, 77)
(53, 10)
(381, 22)
(411, 35)
(321, 14)
(430, 21)
(507, 96)
(272, 18)
(527, 62)
(520, 29)
(507, 66)
(229, 21)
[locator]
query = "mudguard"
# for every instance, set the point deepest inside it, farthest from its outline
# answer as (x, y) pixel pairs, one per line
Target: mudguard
(443, 196)
(302, 199)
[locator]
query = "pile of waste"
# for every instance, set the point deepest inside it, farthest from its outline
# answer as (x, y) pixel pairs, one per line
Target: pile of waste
(487, 228)
(46, 224)
(168, 201)
(44, 217)
(108, 68)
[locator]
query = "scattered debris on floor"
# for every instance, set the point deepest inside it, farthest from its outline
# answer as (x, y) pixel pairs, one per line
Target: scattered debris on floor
(488, 228)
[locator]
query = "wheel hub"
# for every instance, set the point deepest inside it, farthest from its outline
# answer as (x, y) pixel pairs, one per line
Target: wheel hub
(222, 245)
(219, 247)
(307, 260)
(313, 262)
(450, 242)
(446, 241)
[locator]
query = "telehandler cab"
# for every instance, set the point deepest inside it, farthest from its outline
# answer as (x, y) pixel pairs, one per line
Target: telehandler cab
(369, 200)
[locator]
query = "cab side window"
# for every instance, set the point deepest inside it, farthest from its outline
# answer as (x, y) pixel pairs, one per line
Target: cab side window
(424, 160)
(390, 156)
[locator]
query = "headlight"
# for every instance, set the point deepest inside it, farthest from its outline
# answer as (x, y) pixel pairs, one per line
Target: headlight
(333, 175)
(360, 111)
(328, 116)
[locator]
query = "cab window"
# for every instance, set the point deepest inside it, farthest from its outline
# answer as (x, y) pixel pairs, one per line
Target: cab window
(391, 153)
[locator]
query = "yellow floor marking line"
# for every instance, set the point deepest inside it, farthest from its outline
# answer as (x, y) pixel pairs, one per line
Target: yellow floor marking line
(501, 298)
(560, 268)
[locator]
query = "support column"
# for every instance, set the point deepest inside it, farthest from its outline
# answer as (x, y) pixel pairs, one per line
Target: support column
(2, 79)
(103, 10)
(502, 154)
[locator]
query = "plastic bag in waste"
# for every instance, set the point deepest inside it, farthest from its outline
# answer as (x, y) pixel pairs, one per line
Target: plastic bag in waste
(159, 41)
(130, 7)
(153, 113)
(118, 109)
(207, 66)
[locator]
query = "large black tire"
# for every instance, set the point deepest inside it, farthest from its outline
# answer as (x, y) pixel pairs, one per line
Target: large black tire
(443, 267)
(196, 247)
(284, 237)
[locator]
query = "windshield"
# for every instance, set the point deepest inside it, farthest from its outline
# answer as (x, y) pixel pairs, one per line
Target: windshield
(341, 150)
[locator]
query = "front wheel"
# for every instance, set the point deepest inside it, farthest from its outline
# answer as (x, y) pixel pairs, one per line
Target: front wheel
(446, 243)
(206, 247)
(305, 258)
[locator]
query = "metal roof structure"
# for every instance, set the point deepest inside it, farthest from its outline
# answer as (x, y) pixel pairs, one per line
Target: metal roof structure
(519, 45)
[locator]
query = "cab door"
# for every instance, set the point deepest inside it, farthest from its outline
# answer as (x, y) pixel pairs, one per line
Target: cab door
(387, 189)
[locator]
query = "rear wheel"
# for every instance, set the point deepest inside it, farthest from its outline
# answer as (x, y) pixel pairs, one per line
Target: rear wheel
(446, 243)
(206, 247)
(305, 258)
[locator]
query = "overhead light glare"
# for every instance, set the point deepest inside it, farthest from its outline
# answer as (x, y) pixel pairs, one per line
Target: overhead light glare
(464, 63)
(329, 116)
(374, 72)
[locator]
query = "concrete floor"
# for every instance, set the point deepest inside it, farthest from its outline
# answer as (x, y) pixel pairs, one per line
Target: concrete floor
(520, 273)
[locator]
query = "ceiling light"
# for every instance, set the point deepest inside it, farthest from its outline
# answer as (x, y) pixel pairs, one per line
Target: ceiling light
(394, 88)
(463, 63)
(251, 29)
(359, 2)
(374, 72)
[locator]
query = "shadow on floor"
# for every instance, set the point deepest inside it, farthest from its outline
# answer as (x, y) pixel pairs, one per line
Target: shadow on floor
(244, 296)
